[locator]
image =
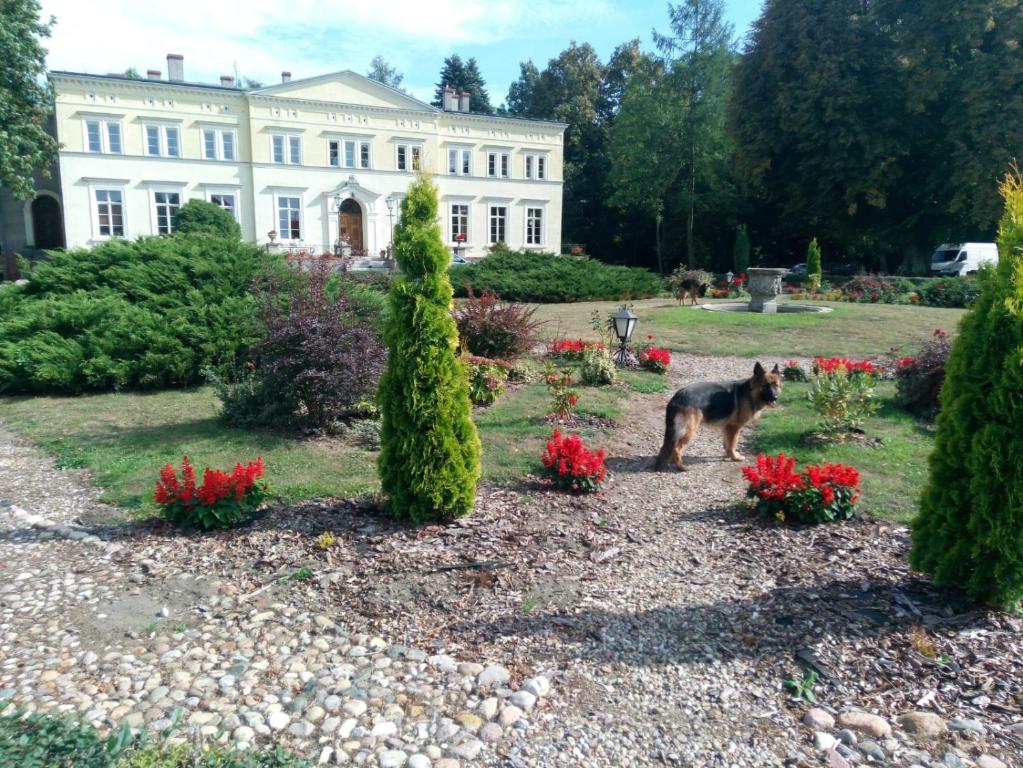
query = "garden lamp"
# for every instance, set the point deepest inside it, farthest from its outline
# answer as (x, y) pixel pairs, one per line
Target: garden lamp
(729, 276)
(624, 324)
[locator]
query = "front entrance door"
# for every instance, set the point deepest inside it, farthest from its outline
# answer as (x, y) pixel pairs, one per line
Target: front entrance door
(46, 224)
(351, 225)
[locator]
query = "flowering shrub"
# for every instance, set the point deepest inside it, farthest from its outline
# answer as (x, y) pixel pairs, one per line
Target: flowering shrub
(819, 494)
(656, 359)
(598, 369)
(572, 349)
(842, 393)
(793, 371)
(871, 289)
(559, 384)
(486, 380)
(571, 465)
(223, 500)
(489, 327)
(918, 378)
(950, 292)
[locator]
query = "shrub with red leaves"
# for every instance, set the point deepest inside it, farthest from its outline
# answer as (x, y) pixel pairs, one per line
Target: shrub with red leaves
(918, 378)
(222, 501)
(489, 327)
(570, 465)
(819, 494)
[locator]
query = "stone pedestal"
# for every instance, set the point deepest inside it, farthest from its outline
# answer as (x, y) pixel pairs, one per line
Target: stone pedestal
(764, 286)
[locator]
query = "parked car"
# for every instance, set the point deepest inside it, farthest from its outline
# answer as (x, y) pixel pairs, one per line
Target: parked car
(962, 258)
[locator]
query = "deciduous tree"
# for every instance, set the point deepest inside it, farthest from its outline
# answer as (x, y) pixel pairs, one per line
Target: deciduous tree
(383, 72)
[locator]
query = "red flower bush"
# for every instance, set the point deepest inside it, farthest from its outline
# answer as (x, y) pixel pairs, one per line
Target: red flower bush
(842, 393)
(793, 371)
(570, 465)
(572, 349)
(223, 499)
(656, 359)
(844, 365)
(919, 377)
(819, 494)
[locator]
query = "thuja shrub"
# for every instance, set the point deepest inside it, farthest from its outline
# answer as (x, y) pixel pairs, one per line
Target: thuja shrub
(967, 533)
(430, 451)
(918, 378)
(222, 500)
(571, 465)
(814, 266)
(819, 494)
(842, 393)
(489, 327)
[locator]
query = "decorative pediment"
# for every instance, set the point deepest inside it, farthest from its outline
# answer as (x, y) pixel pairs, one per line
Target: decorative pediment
(350, 187)
(347, 87)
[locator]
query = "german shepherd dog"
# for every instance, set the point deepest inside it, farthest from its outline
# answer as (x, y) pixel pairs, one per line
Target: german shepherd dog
(730, 405)
(691, 289)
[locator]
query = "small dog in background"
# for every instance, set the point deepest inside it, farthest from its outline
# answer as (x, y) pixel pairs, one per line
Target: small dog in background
(691, 289)
(729, 405)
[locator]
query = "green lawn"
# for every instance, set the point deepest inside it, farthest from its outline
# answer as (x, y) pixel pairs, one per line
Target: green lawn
(893, 474)
(124, 438)
(851, 329)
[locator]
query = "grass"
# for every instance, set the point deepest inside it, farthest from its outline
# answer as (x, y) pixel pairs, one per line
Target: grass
(123, 439)
(851, 329)
(893, 474)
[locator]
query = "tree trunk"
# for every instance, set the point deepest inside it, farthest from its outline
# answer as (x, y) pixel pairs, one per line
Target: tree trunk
(690, 245)
(657, 242)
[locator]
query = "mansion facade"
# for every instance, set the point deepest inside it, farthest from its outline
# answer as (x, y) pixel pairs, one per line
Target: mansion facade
(305, 164)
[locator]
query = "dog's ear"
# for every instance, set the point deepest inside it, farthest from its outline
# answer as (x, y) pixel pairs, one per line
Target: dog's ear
(758, 371)
(776, 369)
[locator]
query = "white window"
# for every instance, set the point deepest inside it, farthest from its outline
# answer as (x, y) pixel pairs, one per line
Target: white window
(409, 157)
(534, 226)
(163, 141)
(103, 136)
(497, 164)
(459, 222)
(459, 162)
(286, 149)
(219, 143)
(498, 223)
(165, 206)
(348, 153)
(289, 217)
(109, 212)
(536, 166)
(227, 201)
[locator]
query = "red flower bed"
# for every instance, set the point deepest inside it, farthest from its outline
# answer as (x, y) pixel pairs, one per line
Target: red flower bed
(221, 501)
(573, 349)
(819, 494)
(570, 465)
(842, 364)
(656, 359)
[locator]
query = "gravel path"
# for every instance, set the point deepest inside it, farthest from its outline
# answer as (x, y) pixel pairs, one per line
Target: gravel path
(652, 624)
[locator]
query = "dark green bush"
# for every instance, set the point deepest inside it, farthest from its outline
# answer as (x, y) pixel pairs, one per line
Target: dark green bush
(200, 217)
(950, 292)
(547, 278)
(430, 450)
(740, 251)
(968, 531)
(139, 315)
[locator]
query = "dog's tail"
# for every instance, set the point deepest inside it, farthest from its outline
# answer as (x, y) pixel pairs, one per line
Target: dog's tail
(670, 439)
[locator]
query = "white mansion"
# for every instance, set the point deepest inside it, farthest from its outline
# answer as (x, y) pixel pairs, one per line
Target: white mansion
(299, 163)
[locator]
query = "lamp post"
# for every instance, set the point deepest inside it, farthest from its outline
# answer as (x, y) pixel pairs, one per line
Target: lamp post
(624, 324)
(390, 218)
(338, 199)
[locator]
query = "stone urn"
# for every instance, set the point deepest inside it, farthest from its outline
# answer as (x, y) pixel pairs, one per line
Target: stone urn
(764, 286)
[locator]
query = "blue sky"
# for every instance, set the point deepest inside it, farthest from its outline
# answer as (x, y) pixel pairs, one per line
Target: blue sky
(259, 38)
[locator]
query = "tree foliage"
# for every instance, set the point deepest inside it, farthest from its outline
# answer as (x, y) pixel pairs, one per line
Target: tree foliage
(209, 218)
(25, 105)
(464, 77)
(814, 266)
(969, 532)
(740, 251)
(430, 450)
(383, 72)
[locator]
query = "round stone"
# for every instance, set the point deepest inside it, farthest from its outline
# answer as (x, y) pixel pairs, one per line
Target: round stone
(490, 733)
(493, 675)
(392, 758)
(243, 733)
(419, 761)
(509, 715)
(278, 720)
(922, 724)
(864, 722)
(539, 686)
(819, 719)
(524, 700)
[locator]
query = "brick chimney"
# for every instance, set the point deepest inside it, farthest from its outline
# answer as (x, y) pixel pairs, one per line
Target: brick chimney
(227, 81)
(450, 101)
(285, 77)
(175, 67)
(153, 74)
(463, 102)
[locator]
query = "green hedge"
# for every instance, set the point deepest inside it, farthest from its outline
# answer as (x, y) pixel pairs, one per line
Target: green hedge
(548, 278)
(144, 314)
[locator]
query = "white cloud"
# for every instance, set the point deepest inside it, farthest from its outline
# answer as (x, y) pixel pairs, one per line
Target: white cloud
(307, 37)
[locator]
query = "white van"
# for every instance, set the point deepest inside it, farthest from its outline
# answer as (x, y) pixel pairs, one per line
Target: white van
(963, 258)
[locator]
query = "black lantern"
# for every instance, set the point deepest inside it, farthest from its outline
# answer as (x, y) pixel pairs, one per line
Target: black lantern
(624, 324)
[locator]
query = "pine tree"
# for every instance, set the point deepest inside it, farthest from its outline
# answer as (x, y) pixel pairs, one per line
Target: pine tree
(740, 253)
(464, 77)
(430, 451)
(969, 531)
(814, 267)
